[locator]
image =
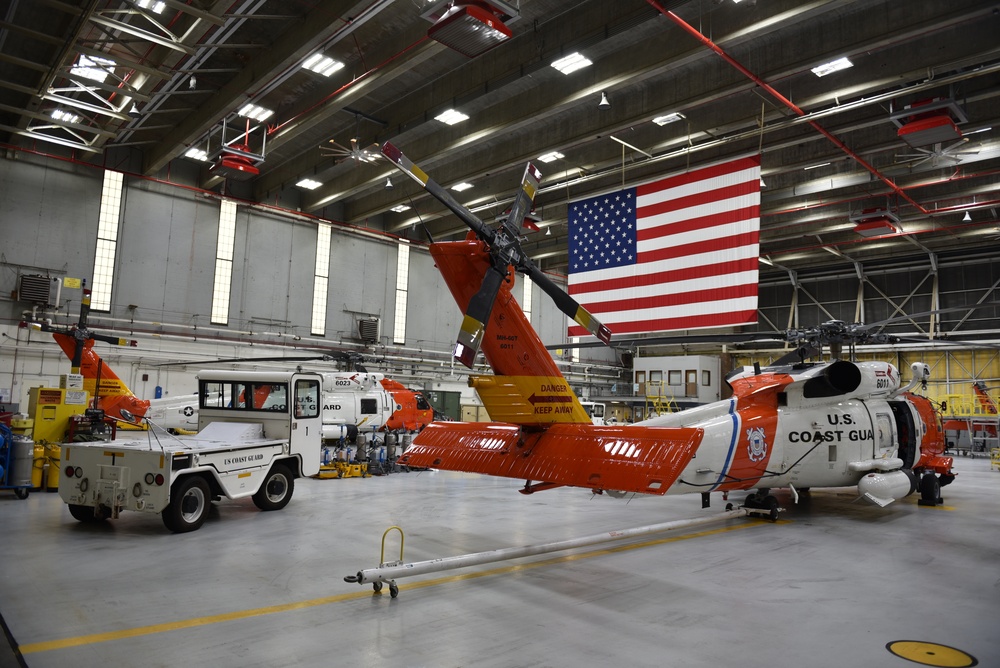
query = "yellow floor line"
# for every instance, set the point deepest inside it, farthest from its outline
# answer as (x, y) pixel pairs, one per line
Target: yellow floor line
(49, 645)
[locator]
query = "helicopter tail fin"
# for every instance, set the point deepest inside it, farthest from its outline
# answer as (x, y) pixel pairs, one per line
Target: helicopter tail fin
(527, 388)
(112, 394)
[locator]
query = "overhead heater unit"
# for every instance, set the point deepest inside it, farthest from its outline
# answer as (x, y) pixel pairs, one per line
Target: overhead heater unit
(875, 222)
(237, 163)
(470, 28)
(927, 122)
(236, 159)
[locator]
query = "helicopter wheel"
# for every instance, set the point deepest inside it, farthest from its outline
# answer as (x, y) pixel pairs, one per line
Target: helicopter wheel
(770, 503)
(930, 490)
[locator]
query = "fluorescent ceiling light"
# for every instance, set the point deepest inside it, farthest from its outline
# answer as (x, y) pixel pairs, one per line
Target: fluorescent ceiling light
(309, 184)
(975, 132)
(255, 112)
(197, 154)
(92, 67)
(832, 66)
(822, 164)
(152, 5)
(400, 208)
(66, 116)
(669, 118)
(460, 187)
(551, 157)
(322, 64)
(451, 117)
(571, 63)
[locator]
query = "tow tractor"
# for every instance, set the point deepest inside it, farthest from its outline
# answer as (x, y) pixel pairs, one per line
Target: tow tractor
(257, 432)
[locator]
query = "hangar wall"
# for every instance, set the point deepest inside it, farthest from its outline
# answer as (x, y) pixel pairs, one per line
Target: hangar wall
(164, 276)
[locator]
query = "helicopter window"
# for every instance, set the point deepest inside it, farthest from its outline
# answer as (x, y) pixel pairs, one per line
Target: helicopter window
(422, 403)
(782, 398)
(369, 406)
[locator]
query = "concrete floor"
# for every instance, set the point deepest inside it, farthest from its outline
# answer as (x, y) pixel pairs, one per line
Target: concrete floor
(831, 584)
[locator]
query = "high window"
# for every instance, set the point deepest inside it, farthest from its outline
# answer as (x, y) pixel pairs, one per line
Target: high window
(222, 288)
(107, 241)
(321, 280)
(402, 279)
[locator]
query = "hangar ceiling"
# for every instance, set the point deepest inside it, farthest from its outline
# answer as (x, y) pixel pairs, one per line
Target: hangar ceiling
(833, 149)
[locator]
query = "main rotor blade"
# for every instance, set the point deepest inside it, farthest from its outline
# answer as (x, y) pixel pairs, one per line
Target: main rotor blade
(797, 356)
(406, 166)
(477, 314)
(114, 340)
(567, 304)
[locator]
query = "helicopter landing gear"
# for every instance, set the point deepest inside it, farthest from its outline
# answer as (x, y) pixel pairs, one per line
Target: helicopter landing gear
(930, 490)
(764, 503)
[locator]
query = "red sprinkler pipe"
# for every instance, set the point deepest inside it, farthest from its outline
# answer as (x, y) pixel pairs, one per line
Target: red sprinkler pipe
(785, 101)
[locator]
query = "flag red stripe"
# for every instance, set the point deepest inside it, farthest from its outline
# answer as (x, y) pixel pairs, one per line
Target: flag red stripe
(731, 318)
(706, 246)
(697, 175)
(673, 299)
(697, 199)
(692, 224)
(662, 277)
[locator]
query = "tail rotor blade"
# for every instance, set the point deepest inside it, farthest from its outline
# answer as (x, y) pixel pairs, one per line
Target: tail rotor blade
(407, 166)
(477, 314)
(505, 249)
(568, 305)
(522, 200)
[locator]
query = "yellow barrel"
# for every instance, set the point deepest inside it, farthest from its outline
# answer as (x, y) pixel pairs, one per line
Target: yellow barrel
(54, 455)
(37, 466)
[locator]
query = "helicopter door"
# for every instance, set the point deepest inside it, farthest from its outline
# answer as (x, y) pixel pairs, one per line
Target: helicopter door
(906, 429)
(885, 441)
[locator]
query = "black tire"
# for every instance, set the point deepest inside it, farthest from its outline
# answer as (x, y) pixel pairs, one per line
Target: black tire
(277, 489)
(930, 490)
(21, 492)
(771, 504)
(189, 503)
(393, 590)
(377, 586)
(86, 514)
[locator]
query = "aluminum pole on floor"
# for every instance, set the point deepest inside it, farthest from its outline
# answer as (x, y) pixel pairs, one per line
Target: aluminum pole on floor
(389, 572)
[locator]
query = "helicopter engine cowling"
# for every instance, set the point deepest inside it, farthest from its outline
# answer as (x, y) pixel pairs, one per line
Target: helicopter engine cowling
(881, 489)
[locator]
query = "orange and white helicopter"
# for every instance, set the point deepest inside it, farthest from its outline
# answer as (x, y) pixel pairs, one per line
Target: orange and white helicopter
(793, 425)
(352, 400)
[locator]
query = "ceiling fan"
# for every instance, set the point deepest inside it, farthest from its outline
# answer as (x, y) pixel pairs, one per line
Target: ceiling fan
(939, 154)
(367, 154)
(358, 154)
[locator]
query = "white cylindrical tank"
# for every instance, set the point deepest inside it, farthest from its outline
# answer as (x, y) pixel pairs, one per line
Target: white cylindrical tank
(22, 451)
(884, 488)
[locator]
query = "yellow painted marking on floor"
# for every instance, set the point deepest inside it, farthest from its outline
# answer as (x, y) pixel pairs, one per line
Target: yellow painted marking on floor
(931, 654)
(49, 645)
(93, 638)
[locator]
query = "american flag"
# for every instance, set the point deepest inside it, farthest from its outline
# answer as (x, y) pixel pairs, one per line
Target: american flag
(678, 253)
